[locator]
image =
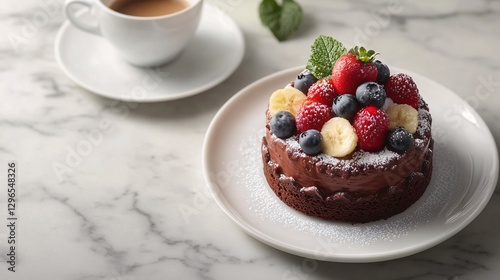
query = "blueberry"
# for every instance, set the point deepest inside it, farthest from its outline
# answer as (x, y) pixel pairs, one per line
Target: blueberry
(383, 72)
(371, 94)
(399, 139)
(345, 106)
(310, 142)
(283, 124)
(304, 81)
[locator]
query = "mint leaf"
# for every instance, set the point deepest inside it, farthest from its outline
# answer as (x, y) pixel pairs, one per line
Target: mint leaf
(281, 20)
(324, 53)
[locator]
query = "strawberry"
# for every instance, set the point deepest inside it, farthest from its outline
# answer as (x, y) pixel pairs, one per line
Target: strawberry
(322, 92)
(353, 69)
(402, 90)
(371, 125)
(312, 115)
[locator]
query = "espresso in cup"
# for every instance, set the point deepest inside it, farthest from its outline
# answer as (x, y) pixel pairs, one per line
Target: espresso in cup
(148, 8)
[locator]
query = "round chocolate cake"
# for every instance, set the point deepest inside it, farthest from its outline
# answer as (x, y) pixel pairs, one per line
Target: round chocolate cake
(355, 146)
(364, 187)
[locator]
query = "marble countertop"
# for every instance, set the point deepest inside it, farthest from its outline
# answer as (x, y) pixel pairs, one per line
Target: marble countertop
(116, 212)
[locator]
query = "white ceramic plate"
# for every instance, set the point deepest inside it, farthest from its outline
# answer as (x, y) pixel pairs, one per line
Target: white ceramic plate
(464, 178)
(215, 52)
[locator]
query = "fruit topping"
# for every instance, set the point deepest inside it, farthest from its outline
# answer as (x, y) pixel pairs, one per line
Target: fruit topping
(286, 99)
(322, 92)
(399, 139)
(339, 137)
(371, 125)
(310, 142)
(353, 69)
(383, 72)
(371, 94)
(345, 106)
(403, 115)
(344, 101)
(312, 115)
(283, 124)
(402, 90)
(304, 81)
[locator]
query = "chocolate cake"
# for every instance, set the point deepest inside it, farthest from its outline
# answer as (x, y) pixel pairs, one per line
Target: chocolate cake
(364, 187)
(354, 146)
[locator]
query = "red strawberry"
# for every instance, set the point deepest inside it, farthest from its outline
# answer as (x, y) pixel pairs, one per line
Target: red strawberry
(322, 92)
(353, 69)
(402, 90)
(312, 115)
(371, 125)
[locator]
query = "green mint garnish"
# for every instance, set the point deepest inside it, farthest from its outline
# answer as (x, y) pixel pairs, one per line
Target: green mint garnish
(281, 20)
(363, 54)
(324, 53)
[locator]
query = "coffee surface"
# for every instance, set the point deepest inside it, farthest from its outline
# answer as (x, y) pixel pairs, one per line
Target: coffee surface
(148, 8)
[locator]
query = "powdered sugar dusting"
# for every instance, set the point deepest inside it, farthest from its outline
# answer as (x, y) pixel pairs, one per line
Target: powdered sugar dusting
(378, 160)
(292, 143)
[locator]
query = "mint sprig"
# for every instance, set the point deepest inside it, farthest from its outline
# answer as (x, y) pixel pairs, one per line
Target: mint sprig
(324, 53)
(281, 20)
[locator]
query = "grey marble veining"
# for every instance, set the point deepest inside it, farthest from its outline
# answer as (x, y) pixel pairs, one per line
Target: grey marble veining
(115, 191)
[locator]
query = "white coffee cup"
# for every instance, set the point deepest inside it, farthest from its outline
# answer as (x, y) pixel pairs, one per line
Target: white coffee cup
(143, 41)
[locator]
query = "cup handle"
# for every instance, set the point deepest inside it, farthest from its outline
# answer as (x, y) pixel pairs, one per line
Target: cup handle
(78, 22)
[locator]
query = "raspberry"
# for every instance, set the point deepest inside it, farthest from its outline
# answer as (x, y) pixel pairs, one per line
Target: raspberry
(312, 115)
(322, 92)
(371, 125)
(402, 90)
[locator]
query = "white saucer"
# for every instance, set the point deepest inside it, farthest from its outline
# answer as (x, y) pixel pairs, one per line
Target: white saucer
(464, 177)
(215, 52)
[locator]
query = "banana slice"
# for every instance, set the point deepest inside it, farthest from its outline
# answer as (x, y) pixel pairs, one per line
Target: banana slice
(287, 99)
(403, 115)
(339, 137)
